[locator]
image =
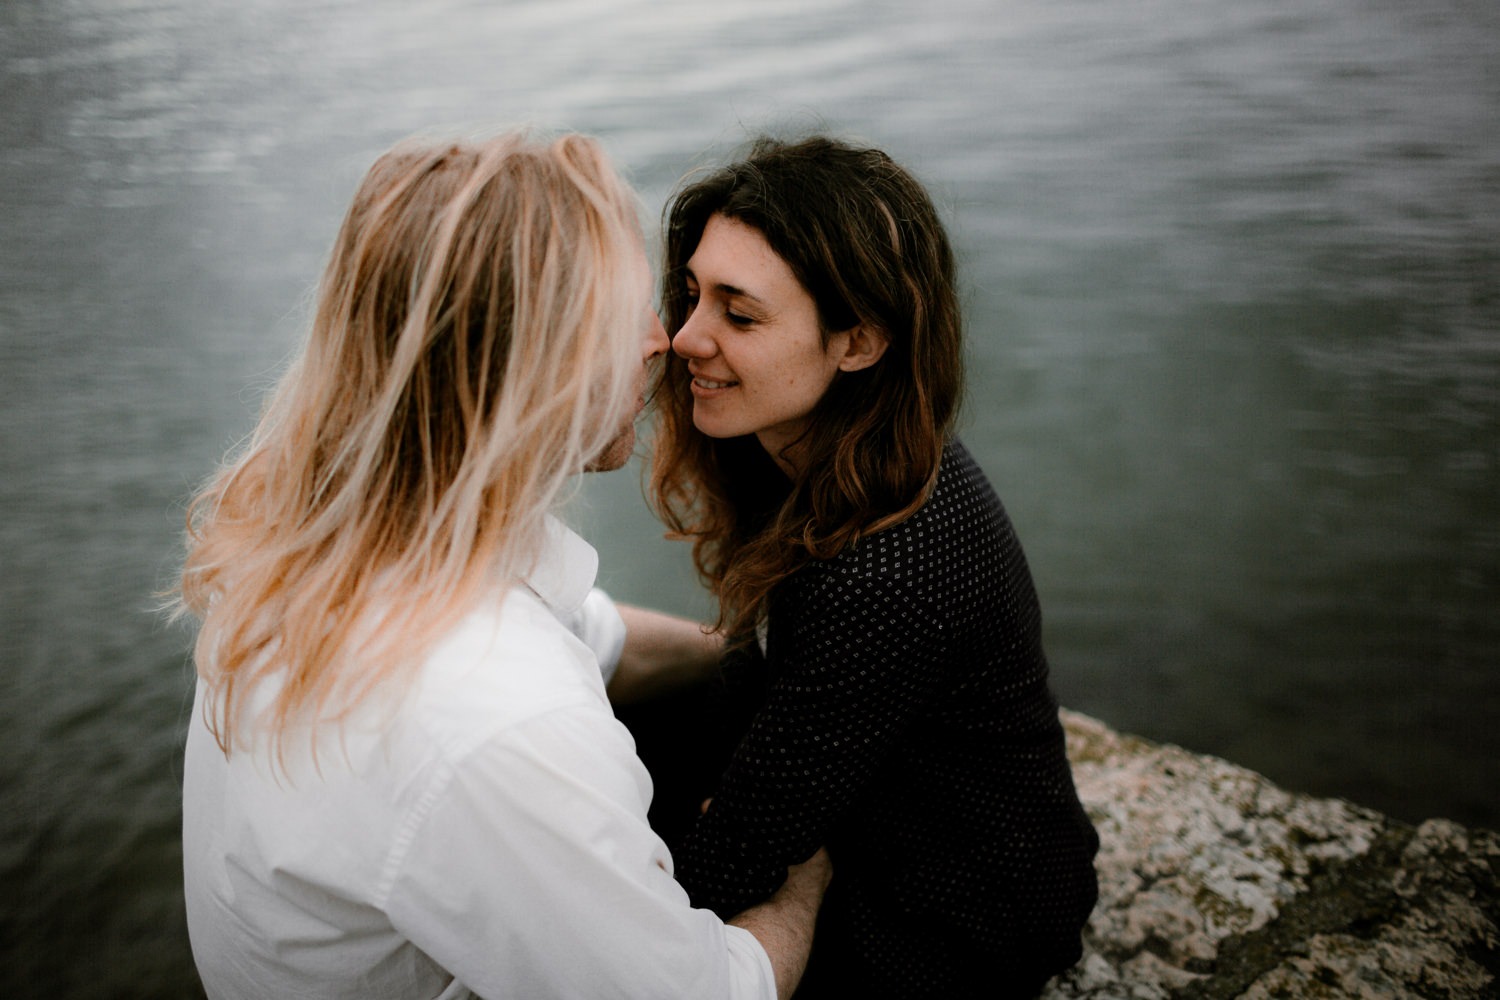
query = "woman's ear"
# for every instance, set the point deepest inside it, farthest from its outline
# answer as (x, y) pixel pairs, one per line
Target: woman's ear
(864, 347)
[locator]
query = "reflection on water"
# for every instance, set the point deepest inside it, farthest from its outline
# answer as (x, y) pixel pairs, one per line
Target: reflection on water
(1232, 282)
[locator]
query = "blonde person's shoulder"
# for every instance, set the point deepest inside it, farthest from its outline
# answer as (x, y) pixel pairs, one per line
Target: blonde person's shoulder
(505, 662)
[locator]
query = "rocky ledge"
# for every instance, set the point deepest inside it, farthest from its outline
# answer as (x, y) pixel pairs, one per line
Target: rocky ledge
(1216, 884)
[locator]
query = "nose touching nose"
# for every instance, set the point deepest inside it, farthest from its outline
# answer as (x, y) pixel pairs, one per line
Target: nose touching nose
(657, 343)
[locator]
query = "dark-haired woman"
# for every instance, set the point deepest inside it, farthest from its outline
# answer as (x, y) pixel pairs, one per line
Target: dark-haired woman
(886, 660)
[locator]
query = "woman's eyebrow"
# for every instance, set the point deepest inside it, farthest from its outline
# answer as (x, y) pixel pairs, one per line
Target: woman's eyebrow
(727, 290)
(735, 292)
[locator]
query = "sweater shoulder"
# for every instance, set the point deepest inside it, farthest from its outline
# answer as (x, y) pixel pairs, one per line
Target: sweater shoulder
(960, 509)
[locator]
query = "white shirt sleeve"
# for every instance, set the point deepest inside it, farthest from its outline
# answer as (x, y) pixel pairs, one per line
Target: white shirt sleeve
(598, 623)
(527, 870)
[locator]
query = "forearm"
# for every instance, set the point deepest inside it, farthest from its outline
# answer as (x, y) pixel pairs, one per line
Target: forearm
(843, 699)
(662, 652)
(784, 923)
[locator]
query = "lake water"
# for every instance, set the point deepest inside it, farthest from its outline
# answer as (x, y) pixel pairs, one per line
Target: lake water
(1233, 278)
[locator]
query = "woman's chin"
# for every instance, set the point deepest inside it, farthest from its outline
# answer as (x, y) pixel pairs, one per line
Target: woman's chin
(709, 427)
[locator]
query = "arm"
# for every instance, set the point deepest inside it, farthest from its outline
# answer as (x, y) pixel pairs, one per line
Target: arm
(784, 923)
(530, 870)
(661, 652)
(855, 661)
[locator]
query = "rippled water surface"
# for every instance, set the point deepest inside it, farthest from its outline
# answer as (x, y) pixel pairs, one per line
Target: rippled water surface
(1233, 281)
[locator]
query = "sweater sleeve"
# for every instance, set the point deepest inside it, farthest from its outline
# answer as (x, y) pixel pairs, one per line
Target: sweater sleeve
(855, 660)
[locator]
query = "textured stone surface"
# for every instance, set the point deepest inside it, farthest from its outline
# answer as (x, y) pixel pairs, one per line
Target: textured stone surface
(1216, 884)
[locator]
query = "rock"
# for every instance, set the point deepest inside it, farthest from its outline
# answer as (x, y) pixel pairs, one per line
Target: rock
(1216, 884)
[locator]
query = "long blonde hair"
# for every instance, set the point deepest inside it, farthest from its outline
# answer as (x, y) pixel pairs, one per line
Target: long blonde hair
(475, 343)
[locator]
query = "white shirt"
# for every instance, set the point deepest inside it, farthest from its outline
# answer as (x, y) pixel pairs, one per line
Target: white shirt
(490, 837)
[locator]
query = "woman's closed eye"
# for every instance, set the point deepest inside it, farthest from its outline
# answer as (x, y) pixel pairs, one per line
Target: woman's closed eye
(724, 302)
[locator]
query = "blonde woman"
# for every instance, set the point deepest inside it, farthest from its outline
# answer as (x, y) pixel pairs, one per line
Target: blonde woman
(403, 778)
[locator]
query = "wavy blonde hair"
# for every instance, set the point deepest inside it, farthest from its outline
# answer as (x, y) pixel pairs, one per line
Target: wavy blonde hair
(475, 344)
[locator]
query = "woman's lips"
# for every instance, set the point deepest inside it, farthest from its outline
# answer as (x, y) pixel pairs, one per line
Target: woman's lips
(705, 386)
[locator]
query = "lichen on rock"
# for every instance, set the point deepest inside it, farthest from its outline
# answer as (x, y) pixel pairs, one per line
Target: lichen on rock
(1215, 883)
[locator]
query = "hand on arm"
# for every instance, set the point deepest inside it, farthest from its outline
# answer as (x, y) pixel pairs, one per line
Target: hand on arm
(662, 652)
(855, 665)
(784, 923)
(533, 873)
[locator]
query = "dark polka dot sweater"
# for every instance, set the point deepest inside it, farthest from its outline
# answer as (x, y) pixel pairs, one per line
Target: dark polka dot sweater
(901, 716)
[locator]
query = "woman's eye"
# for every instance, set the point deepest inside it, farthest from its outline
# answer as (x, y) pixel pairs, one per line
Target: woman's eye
(737, 319)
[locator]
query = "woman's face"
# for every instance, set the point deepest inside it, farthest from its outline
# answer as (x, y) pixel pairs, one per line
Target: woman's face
(752, 341)
(653, 344)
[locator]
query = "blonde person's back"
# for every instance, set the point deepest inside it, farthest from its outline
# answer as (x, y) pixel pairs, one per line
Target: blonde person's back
(438, 850)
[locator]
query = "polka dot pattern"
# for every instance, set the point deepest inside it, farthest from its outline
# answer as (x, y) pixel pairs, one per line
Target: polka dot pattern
(901, 716)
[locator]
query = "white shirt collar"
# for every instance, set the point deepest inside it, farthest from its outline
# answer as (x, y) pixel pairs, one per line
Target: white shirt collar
(565, 570)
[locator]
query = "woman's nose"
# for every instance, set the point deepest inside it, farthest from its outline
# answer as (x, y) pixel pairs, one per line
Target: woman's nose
(690, 341)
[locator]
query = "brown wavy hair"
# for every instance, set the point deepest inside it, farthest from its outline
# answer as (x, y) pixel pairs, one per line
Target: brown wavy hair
(864, 239)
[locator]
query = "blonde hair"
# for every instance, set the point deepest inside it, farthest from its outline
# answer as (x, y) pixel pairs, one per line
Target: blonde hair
(475, 344)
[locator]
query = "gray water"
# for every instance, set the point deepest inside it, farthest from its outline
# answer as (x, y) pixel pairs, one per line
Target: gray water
(1233, 278)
